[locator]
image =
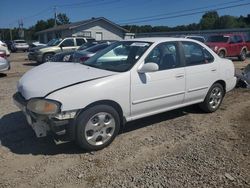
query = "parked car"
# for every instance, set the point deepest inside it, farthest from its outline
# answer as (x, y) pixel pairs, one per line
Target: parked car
(35, 44)
(44, 54)
(4, 47)
(68, 56)
(19, 45)
(243, 78)
(83, 55)
(229, 45)
(128, 80)
(196, 37)
(4, 63)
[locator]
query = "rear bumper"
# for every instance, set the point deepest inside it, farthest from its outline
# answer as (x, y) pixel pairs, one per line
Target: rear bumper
(231, 83)
(41, 124)
(5, 66)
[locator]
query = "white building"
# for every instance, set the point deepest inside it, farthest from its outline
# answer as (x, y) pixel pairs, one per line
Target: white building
(98, 28)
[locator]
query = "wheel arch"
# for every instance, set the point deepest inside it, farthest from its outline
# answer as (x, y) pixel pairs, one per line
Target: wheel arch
(223, 49)
(111, 103)
(222, 83)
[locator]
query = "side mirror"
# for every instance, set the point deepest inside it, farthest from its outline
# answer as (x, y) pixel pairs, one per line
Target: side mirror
(149, 67)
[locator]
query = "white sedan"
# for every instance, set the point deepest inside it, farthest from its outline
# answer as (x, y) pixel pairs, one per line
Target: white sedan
(129, 80)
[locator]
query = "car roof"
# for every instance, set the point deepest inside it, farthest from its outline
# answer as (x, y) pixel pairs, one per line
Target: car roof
(160, 39)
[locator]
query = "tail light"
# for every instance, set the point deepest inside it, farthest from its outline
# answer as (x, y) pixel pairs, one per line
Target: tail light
(84, 58)
(3, 54)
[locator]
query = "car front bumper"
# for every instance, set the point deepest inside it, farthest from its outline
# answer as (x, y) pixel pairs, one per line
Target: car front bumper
(41, 124)
(35, 57)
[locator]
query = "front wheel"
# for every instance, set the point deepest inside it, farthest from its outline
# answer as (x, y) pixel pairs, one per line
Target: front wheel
(97, 127)
(213, 98)
(47, 57)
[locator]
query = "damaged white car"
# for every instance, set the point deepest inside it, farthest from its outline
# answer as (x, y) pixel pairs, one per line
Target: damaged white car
(129, 80)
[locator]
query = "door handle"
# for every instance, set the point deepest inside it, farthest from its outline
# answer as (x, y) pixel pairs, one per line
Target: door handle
(179, 76)
(214, 69)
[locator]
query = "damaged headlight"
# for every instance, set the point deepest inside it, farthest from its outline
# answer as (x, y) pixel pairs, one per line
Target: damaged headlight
(44, 106)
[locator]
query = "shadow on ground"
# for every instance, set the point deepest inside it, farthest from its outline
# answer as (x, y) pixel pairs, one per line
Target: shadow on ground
(2, 75)
(18, 136)
(32, 64)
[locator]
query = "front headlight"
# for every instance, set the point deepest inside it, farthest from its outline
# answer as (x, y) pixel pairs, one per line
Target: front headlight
(43, 106)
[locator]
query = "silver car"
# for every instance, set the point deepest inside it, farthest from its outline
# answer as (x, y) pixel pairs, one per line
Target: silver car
(4, 64)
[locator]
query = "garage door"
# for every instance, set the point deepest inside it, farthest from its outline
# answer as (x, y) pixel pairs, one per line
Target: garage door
(98, 36)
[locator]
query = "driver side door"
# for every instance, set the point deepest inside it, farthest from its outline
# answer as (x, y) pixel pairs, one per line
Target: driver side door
(155, 92)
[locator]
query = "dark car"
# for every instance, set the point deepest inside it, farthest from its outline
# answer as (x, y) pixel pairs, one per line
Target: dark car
(67, 56)
(83, 55)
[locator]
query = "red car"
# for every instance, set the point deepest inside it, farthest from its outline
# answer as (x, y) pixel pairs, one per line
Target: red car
(229, 45)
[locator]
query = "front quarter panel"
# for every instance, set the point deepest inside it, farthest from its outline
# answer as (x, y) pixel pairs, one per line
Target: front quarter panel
(115, 88)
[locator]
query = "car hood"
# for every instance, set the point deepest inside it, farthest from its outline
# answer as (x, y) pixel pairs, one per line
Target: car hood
(37, 48)
(48, 77)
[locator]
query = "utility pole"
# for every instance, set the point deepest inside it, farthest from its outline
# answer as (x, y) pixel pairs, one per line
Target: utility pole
(10, 33)
(55, 24)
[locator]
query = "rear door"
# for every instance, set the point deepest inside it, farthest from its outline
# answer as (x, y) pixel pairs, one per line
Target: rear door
(201, 71)
(68, 45)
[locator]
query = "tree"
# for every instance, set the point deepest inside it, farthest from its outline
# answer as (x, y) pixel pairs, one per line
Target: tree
(62, 19)
(208, 20)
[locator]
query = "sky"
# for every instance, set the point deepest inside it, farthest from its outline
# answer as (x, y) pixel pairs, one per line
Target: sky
(141, 12)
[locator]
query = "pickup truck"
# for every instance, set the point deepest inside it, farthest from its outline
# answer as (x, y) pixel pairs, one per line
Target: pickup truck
(229, 45)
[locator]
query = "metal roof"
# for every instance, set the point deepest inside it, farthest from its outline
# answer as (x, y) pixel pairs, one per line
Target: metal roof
(80, 23)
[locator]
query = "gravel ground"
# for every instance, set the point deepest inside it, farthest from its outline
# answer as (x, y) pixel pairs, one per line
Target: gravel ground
(181, 148)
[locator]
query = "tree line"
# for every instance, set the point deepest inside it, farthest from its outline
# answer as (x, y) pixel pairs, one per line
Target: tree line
(209, 20)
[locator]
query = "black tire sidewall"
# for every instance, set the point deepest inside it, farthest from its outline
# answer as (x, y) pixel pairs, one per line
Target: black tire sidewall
(46, 55)
(243, 55)
(223, 54)
(84, 117)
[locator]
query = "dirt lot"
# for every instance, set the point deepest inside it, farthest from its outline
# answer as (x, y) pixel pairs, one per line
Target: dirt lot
(181, 148)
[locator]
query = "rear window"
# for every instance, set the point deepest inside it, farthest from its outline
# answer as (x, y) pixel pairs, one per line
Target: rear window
(218, 38)
(80, 42)
(20, 41)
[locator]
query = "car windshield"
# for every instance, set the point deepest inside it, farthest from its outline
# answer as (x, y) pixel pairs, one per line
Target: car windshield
(218, 38)
(119, 56)
(54, 42)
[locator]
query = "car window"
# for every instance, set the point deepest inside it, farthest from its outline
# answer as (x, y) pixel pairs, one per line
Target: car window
(68, 42)
(196, 54)
(80, 42)
(165, 55)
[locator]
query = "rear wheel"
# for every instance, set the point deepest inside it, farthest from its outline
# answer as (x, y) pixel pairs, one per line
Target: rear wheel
(213, 98)
(97, 127)
(243, 55)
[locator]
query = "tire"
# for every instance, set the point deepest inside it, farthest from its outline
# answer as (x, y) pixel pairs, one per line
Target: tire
(97, 127)
(222, 54)
(213, 98)
(47, 57)
(243, 55)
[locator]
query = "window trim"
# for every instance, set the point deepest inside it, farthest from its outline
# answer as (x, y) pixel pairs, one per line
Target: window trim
(178, 53)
